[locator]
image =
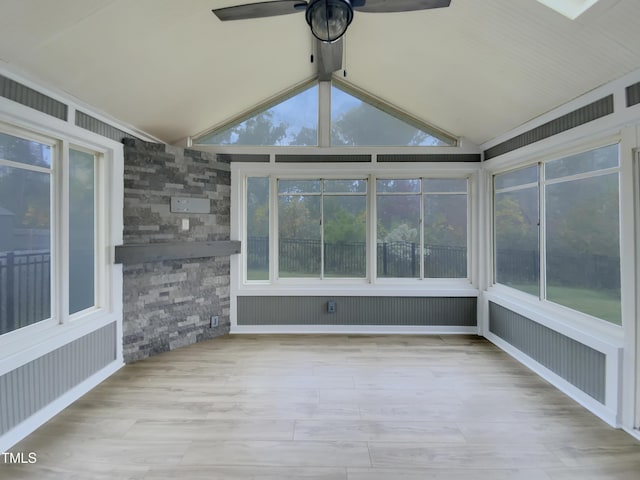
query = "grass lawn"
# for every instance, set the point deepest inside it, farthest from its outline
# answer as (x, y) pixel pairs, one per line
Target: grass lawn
(599, 303)
(253, 274)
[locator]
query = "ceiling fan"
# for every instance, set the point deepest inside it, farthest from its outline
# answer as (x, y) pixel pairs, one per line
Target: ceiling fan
(328, 19)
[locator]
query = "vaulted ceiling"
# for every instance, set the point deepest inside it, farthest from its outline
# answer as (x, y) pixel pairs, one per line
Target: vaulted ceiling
(172, 69)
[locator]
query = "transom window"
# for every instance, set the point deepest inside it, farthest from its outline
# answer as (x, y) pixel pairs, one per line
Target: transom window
(356, 119)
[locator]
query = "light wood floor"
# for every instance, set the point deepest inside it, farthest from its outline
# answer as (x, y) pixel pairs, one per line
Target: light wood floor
(328, 408)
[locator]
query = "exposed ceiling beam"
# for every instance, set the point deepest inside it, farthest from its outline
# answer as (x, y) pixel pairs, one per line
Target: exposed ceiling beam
(329, 58)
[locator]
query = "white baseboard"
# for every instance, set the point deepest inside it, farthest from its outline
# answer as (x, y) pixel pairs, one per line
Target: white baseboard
(45, 414)
(352, 330)
(605, 413)
(635, 433)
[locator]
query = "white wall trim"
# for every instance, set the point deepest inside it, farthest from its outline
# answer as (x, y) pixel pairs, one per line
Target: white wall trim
(634, 432)
(352, 330)
(27, 344)
(419, 289)
(28, 426)
(606, 339)
(614, 121)
(605, 412)
(72, 103)
(611, 346)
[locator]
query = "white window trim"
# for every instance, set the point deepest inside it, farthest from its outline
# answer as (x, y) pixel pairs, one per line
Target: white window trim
(562, 317)
(26, 344)
(321, 279)
(610, 330)
(370, 286)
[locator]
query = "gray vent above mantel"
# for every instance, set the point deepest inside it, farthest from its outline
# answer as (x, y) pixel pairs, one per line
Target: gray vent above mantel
(159, 252)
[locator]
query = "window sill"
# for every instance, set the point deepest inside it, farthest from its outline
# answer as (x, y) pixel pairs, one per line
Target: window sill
(26, 344)
(589, 330)
(386, 288)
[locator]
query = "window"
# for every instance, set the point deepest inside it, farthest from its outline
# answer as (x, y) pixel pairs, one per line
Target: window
(516, 220)
(571, 9)
(356, 119)
(422, 228)
(257, 228)
(583, 233)
(319, 228)
(322, 228)
(82, 227)
(579, 195)
(293, 121)
(34, 178)
(25, 231)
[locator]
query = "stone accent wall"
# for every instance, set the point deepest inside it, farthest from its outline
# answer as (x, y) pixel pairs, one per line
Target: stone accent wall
(169, 304)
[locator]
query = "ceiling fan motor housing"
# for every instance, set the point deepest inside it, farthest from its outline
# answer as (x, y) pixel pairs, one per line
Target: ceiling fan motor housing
(329, 19)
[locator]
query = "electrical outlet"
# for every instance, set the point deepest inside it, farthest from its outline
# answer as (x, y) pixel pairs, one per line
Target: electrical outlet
(214, 321)
(332, 306)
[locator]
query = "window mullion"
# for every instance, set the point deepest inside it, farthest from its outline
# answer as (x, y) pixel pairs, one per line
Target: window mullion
(274, 246)
(60, 233)
(101, 230)
(542, 231)
(372, 230)
(421, 223)
(324, 114)
(321, 229)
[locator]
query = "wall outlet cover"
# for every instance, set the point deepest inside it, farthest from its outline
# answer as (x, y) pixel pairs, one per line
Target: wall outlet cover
(332, 306)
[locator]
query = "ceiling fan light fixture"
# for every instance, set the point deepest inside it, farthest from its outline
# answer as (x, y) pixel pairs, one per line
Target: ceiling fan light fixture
(329, 19)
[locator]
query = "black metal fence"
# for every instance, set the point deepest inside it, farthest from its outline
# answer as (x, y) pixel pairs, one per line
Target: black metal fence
(395, 259)
(25, 289)
(566, 268)
(402, 259)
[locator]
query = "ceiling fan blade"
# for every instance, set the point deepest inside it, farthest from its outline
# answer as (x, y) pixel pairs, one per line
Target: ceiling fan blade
(260, 10)
(389, 6)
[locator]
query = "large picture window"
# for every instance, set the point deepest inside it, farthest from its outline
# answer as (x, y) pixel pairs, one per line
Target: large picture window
(583, 233)
(580, 239)
(319, 228)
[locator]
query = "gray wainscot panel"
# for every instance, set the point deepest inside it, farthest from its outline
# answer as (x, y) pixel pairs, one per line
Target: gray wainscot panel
(577, 363)
(377, 311)
(35, 385)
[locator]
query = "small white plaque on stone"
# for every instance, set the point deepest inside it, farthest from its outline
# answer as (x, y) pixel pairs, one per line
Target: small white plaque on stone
(190, 205)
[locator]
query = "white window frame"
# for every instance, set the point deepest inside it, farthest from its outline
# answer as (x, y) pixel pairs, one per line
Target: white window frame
(515, 188)
(371, 285)
(101, 286)
(324, 120)
(25, 344)
(321, 194)
(422, 194)
(600, 334)
(54, 217)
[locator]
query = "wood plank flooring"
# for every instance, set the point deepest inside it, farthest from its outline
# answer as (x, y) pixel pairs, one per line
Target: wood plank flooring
(328, 408)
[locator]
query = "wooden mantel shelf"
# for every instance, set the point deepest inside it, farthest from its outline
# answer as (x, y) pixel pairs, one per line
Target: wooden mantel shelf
(158, 252)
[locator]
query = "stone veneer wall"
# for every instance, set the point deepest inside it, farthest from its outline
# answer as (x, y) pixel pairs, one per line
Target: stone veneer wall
(168, 304)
